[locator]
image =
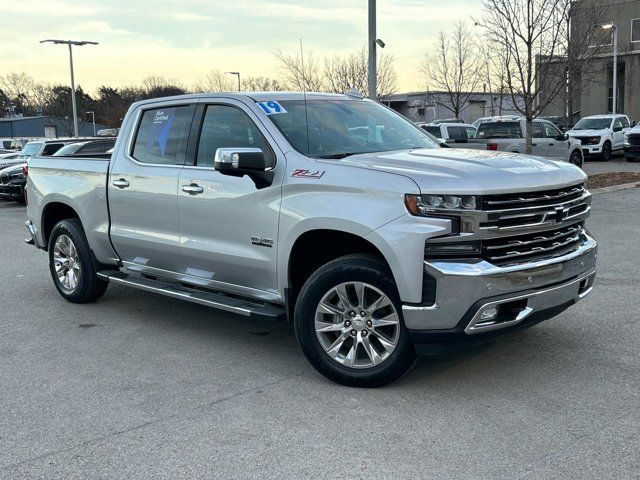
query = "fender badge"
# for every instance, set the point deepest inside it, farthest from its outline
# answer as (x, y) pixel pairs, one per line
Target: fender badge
(263, 242)
(304, 173)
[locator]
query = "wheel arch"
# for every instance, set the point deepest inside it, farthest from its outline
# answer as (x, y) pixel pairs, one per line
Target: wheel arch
(52, 213)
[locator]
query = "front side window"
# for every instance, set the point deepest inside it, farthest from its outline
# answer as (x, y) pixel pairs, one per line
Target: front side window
(31, 149)
(433, 130)
(225, 126)
(162, 135)
(550, 131)
(471, 132)
(340, 128)
(51, 148)
(457, 133)
(625, 122)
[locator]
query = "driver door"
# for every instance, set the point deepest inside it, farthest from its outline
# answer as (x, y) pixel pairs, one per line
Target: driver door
(229, 224)
(558, 147)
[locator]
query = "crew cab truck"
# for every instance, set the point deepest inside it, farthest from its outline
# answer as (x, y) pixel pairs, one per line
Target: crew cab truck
(330, 211)
(601, 135)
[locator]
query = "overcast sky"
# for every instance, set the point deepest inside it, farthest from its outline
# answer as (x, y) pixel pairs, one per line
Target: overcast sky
(184, 39)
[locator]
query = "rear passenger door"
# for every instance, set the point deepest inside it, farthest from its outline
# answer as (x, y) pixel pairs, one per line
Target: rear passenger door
(539, 142)
(229, 224)
(143, 189)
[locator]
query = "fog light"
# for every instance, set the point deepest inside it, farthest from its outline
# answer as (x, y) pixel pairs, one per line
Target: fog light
(490, 313)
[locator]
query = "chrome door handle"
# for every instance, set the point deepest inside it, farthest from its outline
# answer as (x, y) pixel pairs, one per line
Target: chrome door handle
(193, 189)
(120, 183)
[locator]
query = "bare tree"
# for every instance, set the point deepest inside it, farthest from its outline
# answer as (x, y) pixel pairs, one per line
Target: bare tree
(301, 74)
(263, 84)
(346, 72)
(527, 34)
(455, 69)
(18, 87)
(216, 81)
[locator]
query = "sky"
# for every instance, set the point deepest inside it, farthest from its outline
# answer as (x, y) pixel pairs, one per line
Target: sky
(185, 39)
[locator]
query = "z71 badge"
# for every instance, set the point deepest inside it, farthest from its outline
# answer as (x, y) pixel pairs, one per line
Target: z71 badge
(304, 173)
(263, 242)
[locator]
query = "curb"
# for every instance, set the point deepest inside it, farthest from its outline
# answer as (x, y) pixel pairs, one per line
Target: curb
(615, 188)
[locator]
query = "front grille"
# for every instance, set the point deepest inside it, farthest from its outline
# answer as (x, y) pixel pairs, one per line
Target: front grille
(4, 179)
(535, 246)
(634, 139)
(589, 140)
(533, 199)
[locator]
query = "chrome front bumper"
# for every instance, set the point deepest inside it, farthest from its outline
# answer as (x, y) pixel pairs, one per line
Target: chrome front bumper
(466, 288)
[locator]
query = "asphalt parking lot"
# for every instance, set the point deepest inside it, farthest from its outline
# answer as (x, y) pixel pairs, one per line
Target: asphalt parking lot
(617, 164)
(142, 386)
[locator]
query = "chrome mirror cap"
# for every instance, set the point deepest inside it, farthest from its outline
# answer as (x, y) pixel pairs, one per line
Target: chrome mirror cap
(229, 158)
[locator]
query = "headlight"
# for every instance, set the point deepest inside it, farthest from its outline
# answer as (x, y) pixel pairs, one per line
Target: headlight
(627, 140)
(593, 140)
(425, 204)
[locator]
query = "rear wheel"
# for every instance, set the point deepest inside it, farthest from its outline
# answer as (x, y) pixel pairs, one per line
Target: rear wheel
(576, 158)
(71, 264)
(348, 321)
(606, 152)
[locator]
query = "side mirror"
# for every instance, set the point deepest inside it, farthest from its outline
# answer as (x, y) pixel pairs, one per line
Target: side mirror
(239, 160)
(562, 137)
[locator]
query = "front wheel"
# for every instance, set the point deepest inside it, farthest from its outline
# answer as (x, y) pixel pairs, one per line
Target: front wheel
(606, 152)
(576, 158)
(71, 263)
(348, 321)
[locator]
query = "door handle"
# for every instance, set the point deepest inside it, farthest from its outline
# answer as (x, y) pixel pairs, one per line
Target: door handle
(193, 189)
(551, 144)
(534, 144)
(120, 183)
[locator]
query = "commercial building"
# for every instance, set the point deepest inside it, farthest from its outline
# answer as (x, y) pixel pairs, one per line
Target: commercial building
(593, 91)
(43, 126)
(429, 106)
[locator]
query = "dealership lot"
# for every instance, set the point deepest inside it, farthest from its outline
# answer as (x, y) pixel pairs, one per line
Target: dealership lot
(142, 386)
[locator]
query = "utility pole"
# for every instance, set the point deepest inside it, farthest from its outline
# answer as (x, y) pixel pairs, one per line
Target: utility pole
(372, 50)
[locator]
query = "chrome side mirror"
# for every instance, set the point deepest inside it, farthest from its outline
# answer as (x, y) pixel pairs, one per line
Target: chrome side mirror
(239, 159)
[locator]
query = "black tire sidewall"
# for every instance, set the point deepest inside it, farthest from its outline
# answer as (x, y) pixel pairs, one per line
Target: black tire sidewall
(87, 277)
(580, 161)
(606, 147)
(346, 269)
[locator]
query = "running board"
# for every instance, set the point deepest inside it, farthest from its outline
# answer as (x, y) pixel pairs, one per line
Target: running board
(247, 308)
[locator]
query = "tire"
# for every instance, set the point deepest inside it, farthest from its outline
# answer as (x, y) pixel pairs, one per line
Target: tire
(68, 242)
(576, 158)
(348, 366)
(606, 151)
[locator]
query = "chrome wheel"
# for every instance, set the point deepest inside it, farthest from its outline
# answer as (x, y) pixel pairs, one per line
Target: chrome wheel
(66, 263)
(357, 325)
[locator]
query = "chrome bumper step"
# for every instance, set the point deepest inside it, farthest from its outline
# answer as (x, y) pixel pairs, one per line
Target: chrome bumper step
(247, 308)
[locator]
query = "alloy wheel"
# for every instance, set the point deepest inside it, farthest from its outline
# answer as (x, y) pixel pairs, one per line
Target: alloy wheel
(357, 325)
(66, 263)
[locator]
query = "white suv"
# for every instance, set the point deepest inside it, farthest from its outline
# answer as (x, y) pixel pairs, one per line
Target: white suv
(601, 135)
(449, 132)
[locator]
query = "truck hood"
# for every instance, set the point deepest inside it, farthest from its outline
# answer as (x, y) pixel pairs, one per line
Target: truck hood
(588, 133)
(462, 171)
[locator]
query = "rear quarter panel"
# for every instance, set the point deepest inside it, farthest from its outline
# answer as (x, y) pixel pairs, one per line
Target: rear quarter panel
(79, 183)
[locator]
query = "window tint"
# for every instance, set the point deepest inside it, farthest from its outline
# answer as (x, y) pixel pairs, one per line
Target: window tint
(435, 131)
(162, 135)
(97, 147)
(471, 132)
(499, 130)
(457, 133)
(51, 148)
(550, 131)
(229, 127)
(617, 123)
(537, 131)
(625, 122)
(635, 30)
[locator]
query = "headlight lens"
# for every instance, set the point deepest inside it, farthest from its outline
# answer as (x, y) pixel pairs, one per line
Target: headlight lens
(627, 139)
(425, 204)
(593, 140)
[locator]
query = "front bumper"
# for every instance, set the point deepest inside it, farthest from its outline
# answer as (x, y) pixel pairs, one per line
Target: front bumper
(632, 151)
(11, 191)
(591, 150)
(467, 288)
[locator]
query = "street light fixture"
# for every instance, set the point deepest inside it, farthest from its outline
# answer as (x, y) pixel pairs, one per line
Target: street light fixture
(237, 74)
(70, 43)
(612, 26)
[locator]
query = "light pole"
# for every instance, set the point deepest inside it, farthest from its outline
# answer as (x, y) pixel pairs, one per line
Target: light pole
(237, 74)
(93, 120)
(612, 26)
(70, 43)
(373, 42)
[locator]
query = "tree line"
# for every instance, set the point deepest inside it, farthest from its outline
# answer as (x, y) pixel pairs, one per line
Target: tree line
(22, 94)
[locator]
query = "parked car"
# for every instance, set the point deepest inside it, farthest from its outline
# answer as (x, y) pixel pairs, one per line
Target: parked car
(12, 182)
(477, 122)
(507, 134)
(632, 144)
(447, 120)
(87, 148)
(601, 135)
(273, 206)
(450, 132)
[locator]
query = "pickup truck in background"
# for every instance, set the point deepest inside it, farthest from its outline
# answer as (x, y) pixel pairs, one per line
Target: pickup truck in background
(330, 211)
(508, 135)
(450, 133)
(632, 144)
(601, 135)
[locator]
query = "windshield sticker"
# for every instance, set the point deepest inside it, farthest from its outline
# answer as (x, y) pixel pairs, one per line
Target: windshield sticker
(304, 173)
(271, 108)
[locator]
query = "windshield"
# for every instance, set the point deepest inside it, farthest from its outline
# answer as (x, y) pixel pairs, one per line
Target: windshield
(30, 149)
(339, 128)
(593, 124)
(68, 149)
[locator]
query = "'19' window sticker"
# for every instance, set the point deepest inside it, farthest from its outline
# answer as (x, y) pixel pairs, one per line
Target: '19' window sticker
(271, 108)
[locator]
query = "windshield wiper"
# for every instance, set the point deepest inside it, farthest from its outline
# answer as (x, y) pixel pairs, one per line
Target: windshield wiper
(339, 155)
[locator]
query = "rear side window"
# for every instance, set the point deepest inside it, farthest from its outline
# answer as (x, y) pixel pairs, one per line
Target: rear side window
(537, 131)
(435, 131)
(51, 148)
(457, 133)
(499, 130)
(162, 135)
(97, 147)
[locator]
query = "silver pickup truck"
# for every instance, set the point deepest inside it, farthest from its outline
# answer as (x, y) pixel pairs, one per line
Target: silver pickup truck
(330, 211)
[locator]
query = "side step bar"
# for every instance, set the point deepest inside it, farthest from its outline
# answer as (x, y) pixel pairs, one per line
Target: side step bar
(247, 308)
